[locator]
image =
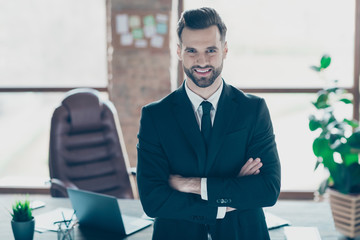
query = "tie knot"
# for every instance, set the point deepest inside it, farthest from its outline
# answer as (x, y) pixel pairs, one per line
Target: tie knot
(206, 107)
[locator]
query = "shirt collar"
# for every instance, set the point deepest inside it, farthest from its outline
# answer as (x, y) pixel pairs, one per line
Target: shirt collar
(196, 100)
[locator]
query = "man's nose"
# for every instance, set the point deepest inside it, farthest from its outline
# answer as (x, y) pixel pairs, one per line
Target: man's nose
(202, 59)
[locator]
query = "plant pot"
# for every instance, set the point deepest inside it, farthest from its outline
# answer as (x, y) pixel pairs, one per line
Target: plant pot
(23, 230)
(345, 209)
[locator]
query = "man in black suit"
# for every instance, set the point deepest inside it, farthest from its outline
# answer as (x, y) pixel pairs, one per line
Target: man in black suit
(207, 158)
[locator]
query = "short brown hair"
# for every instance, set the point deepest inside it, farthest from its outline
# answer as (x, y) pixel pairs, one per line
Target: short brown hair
(201, 18)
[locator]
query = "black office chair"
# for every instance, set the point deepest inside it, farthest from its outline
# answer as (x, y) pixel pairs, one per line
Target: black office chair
(87, 150)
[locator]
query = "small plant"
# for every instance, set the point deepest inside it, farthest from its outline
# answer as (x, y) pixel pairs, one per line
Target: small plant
(21, 211)
(338, 144)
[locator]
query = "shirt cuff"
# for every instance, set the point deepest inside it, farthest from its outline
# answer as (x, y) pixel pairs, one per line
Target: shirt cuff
(204, 195)
(221, 212)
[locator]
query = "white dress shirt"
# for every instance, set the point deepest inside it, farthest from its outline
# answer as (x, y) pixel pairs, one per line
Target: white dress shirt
(196, 101)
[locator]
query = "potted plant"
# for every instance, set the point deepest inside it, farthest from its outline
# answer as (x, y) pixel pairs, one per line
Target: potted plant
(22, 223)
(336, 147)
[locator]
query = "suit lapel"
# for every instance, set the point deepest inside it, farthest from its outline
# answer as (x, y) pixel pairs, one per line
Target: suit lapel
(224, 116)
(185, 116)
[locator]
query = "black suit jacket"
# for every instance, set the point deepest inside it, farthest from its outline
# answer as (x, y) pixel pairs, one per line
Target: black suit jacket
(170, 142)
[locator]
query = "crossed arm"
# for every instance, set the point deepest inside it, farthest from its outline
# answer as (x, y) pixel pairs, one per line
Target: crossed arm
(193, 184)
(175, 197)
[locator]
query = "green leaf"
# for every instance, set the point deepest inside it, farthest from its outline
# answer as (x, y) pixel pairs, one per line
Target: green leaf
(325, 61)
(354, 172)
(345, 100)
(346, 179)
(334, 139)
(352, 123)
(332, 90)
(339, 175)
(314, 123)
(21, 211)
(321, 149)
(350, 159)
(354, 140)
(318, 162)
(315, 68)
(323, 186)
(322, 100)
(320, 146)
(340, 147)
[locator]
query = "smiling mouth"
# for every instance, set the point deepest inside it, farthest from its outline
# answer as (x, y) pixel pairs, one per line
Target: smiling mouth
(202, 70)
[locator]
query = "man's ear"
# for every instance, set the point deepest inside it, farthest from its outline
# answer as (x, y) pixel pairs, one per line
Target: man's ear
(225, 50)
(178, 51)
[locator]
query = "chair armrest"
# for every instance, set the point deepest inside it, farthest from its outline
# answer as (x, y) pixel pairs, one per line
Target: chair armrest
(58, 187)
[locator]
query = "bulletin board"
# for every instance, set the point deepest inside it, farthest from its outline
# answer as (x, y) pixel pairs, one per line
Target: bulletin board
(140, 29)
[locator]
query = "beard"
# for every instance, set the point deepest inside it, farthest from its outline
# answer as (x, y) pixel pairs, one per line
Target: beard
(203, 82)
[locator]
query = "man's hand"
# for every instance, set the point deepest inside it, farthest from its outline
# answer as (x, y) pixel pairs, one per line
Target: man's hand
(251, 167)
(230, 209)
(187, 185)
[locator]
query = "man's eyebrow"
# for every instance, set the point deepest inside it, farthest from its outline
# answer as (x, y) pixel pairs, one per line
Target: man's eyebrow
(208, 48)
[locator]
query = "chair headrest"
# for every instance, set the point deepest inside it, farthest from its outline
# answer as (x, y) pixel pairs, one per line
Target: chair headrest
(84, 109)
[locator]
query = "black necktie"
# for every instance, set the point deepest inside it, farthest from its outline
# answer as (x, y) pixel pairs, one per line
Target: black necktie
(206, 121)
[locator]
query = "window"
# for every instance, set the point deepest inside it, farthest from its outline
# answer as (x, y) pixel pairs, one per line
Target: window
(53, 43)
(44, 44)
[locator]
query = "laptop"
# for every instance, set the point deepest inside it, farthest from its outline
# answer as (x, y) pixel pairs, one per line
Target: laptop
(103, 212)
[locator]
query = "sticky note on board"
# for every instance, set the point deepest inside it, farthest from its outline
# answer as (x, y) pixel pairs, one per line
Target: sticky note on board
(141, 43)
(138, 33)
(163, 18)
(157, 41)
(149, 20)
(122, 23)
(126, 39)
(161, 28)
(135, 21)
(149, 31)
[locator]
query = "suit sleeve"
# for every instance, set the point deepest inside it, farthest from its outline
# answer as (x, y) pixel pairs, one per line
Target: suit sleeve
(157, 197)
(256, 190)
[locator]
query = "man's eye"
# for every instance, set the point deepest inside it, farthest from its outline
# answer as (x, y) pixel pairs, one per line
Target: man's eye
(211, 51)
(190, 51)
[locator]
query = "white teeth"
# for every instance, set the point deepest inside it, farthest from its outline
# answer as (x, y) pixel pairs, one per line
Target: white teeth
(202, 71)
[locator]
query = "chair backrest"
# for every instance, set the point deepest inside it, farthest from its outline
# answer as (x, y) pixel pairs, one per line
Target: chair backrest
(87, 146)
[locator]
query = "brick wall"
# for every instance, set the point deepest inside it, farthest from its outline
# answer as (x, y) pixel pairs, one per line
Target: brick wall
(137, 76)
